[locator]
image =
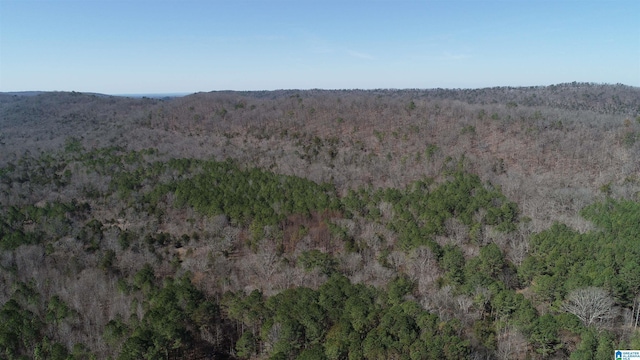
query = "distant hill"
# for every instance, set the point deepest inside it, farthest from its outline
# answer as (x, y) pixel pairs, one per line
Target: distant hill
(22, 93)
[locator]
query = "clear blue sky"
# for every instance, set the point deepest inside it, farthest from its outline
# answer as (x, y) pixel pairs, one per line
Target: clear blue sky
(169, 46)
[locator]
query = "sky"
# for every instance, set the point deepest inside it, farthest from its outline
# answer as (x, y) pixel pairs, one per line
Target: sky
(186, 46)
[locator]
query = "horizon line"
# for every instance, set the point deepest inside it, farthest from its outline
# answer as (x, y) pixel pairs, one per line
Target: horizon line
(186, 93)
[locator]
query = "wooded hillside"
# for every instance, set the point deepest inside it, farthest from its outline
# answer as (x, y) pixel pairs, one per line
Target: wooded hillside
(321, 224)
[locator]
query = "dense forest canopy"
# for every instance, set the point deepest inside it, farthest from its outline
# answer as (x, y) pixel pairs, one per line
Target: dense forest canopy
(321, 224)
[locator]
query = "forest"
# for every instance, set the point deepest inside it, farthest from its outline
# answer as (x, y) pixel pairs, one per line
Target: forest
(497, 223)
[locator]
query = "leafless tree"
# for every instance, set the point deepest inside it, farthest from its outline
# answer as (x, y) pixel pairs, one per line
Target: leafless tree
(422, 267)
(266, 263)
(511, 344)
(464, 303)
(442, 302)
(635, 314)
(592, 305)
(457, 231)
(397, 260)
(350, 263)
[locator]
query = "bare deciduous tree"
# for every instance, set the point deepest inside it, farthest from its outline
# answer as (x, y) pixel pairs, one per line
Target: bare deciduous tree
(511, 344)
(422, 267)
(592, 305)
(441, 302)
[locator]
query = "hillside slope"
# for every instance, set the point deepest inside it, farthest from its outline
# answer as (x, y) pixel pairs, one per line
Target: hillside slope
(171, 228)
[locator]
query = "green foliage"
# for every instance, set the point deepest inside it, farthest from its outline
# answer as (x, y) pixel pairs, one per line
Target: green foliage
(395, 334)
(484, 332)
(48, 349)
(420, 213)
(107, 260)
(544, 335)
(338, 232)
(26, 293)
(317, 259)
(507, 306)
(246, 345)
(431, 151)
(115, 331)
(50, 220)
(16, 238)
(634, 342)
(81, 352)
(587, 347)
(606, 346)
(562, 259)
(629, 138)
(245, 195)
(491, 260)
(91, 235)
(453, 264)
(342, 320)
(73, 145)
(172, 313)
(26, 325)
(606, 189)
(57, 310)
(595, 345)
(126, 238)
(398, 288)
(19, 329)
(469, 129)
(158, 239)
(256, 229)
(145, 279)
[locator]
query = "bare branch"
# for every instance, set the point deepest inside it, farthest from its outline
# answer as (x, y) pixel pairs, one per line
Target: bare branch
(592, 305)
